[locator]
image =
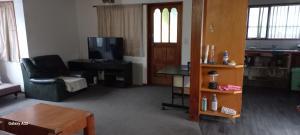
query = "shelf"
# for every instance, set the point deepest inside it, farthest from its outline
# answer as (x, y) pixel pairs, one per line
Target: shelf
(220, 66)
(219, 114)
(280, 68)
(218, 91)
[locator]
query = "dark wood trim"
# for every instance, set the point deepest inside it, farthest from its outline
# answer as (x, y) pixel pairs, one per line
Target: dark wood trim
(272, 39)
(197, 21)
(277, 4)
(268, 22)
(149, 39)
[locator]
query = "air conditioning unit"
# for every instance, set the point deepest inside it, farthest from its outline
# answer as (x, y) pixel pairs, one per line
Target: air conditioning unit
(108, 1)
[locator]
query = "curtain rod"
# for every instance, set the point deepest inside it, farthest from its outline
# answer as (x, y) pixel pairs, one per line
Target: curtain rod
(120, 4)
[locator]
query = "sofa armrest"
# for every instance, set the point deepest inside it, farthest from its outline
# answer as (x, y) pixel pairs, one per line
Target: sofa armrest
(43, 80)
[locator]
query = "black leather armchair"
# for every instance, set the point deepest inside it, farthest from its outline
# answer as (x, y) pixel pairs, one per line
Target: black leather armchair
(40, 77)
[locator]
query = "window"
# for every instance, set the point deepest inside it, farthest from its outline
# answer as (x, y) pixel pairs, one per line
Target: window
(257, 24)
(165, 23)
(173, 25)
(157, 26)
(274, 22)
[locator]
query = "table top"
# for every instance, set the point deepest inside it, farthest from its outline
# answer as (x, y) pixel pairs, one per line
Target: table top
(54, 118)
(175, 70)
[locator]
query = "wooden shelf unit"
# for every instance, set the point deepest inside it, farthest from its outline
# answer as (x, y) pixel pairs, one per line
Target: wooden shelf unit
(219, 114)
(220, 66)
(215, 33)
(211, 27)
(219, 91)
(231, 99)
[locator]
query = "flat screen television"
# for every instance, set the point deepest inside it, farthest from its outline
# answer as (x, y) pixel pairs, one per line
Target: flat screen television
(106, 48)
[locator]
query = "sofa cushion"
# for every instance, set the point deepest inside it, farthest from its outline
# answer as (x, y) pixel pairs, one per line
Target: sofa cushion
(33, 71)
(52, 64)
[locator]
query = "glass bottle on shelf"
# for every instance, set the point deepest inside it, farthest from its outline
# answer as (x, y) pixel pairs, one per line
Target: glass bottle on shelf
(212, 55)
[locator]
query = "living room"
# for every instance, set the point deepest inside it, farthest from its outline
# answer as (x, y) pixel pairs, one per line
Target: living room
(61, 34)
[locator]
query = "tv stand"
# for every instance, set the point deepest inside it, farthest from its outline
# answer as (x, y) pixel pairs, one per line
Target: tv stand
(116, 73)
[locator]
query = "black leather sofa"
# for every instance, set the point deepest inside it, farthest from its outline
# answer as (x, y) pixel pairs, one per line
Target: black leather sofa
(40, 78)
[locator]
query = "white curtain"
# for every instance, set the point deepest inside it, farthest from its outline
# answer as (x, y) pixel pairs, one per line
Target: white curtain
(9, 46)
(123, 21)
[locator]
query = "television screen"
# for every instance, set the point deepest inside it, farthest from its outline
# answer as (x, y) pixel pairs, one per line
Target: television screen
(106, 48)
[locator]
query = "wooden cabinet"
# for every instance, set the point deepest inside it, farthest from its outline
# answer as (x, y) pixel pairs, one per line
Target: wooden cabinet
(268, 69)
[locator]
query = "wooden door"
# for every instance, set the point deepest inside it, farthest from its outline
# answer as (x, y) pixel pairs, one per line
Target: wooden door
(164, 39)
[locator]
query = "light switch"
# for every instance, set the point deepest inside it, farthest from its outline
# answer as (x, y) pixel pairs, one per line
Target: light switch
(211, 28)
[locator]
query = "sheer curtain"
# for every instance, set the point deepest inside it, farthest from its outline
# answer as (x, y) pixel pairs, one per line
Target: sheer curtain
(9, 48)
(123, 21)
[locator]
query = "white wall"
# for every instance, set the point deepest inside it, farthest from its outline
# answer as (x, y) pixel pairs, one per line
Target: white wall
(49, 27)
(87, 26)
(52, 28)
(186, 32)
(11, 71)
(62, 26)
(285, 44)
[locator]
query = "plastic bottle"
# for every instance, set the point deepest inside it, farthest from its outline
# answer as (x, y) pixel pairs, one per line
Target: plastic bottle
(204, 104)
(225, 57)
(214, 103)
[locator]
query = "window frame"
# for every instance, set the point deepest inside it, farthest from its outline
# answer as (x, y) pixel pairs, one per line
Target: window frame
(268, 20)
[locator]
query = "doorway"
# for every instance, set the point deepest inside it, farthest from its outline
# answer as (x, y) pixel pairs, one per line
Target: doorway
(164, 39)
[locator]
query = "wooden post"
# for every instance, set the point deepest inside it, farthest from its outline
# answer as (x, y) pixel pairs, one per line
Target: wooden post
(197, 11)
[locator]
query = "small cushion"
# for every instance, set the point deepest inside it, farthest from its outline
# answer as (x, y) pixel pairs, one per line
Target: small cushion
(34, 72)
(51, 64)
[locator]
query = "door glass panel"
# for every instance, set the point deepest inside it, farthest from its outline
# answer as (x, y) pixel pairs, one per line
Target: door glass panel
(157, 26)
(173, 25)
(165, 25)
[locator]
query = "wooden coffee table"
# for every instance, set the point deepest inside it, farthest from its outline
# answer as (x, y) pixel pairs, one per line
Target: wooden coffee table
(44, 119)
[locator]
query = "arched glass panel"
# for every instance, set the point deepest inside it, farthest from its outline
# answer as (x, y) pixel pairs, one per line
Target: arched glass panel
(157, 26)
(173, 25)
(165, 25)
